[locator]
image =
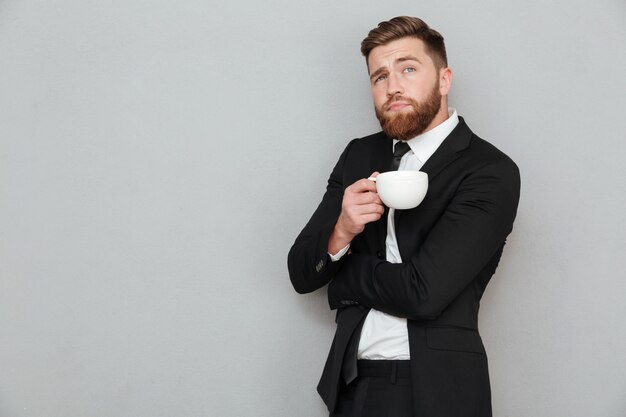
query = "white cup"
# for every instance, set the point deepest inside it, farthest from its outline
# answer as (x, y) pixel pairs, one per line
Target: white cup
(401, 190)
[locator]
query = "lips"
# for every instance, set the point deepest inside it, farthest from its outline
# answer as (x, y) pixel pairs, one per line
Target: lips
(396, 105)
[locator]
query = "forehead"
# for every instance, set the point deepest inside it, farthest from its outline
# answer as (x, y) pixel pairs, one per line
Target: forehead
(385, 55)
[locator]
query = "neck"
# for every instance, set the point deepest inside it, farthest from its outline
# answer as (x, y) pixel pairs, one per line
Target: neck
(441, 116)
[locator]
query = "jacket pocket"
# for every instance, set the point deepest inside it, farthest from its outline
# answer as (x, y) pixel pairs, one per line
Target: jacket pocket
(454, 339)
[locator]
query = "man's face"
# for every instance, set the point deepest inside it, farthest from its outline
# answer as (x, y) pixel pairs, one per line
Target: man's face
(407, 88)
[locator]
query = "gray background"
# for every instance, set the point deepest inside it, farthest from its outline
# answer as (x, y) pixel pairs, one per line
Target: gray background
(158, 158)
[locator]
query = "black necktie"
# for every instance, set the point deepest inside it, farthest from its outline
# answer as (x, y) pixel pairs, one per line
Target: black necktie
(399, 149)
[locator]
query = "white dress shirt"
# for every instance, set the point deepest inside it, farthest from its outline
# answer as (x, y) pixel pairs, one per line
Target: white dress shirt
(385, 336)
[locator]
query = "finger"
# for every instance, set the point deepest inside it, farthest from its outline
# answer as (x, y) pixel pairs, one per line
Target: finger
(362, 186)
(375, 174)
(366, 209)
(376, 199)
(369, 218)
(373, 208)
(364, 198)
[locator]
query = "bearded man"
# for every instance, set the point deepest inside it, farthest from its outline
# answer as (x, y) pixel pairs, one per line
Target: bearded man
(407, 284)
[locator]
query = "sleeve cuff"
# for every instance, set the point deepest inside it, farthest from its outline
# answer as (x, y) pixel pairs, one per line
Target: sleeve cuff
(339, 254)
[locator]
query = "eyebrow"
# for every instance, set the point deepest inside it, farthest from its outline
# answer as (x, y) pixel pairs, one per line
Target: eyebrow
(380, 70)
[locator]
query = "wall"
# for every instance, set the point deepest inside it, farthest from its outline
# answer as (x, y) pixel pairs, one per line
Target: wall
(158, 158)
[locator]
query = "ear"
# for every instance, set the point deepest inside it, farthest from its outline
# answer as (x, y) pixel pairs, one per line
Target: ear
(445, 81)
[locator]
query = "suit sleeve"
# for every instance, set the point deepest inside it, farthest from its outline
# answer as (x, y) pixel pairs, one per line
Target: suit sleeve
(309, 264)
(472, 229)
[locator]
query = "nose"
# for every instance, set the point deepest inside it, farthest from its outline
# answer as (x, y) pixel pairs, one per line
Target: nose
(394, 86)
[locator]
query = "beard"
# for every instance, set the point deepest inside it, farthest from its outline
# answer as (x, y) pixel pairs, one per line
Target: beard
(407, 125)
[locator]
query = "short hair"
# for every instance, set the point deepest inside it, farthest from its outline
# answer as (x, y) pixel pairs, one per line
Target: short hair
(403, 27)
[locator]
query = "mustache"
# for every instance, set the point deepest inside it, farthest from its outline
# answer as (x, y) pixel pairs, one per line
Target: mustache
(397, 98)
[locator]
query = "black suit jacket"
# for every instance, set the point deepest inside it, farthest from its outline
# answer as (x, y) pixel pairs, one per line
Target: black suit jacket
(450, 246)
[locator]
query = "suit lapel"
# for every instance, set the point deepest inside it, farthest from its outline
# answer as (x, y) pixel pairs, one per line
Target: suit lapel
(380, 161)
(380, 158)
(450, 149)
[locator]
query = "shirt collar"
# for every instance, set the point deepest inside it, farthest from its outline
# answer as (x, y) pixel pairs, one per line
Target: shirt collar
(425, 144)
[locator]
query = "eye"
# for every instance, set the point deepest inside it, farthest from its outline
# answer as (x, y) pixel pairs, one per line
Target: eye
(380, 78)
(409, 69)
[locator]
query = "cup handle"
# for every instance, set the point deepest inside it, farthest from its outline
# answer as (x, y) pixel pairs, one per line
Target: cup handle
(372, 179)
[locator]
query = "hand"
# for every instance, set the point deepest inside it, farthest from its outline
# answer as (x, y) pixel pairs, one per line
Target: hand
(360, 205)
